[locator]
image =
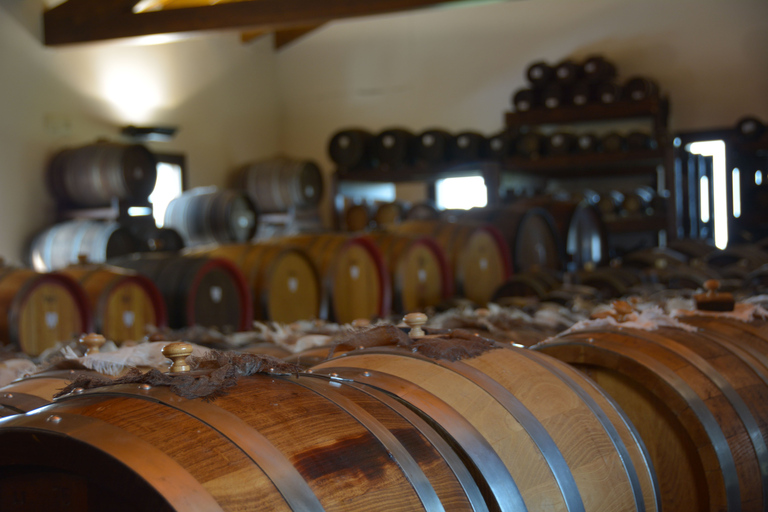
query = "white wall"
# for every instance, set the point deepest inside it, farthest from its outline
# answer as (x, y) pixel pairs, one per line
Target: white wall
(457, 68)
(220, 92)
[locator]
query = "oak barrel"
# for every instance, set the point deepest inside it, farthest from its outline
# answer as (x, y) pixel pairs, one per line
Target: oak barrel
(281, 184)
(209, 292)
(123, 303)
(419, 271)
(354, 278)
(477, 255)
(38, 310)
(62, 244)
(206, 215)
(542, 436)
(352, 149)
(131, 447)
(697, 398)
(94, 174)
(283, 281)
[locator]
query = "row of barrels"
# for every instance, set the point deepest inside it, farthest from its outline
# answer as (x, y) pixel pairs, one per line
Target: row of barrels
(614, 416)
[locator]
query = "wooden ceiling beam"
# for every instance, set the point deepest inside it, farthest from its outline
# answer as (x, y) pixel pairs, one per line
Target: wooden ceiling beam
(78, 21)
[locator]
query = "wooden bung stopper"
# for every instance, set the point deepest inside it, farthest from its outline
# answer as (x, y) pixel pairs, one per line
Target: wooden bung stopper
(361, 322)
(711, 300)
(415, 321)
(622, 309)
(82, 259)
(92, 342)
(178, 352)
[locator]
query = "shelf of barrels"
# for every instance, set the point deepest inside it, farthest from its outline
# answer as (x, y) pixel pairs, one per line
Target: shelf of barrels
(263, 363)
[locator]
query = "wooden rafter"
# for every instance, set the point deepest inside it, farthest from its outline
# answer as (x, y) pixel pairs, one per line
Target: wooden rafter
(77, 21)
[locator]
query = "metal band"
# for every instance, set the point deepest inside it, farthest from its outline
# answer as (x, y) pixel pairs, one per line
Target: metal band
(398, 452)
(495, 474)
(159, 470)
(252, 443)
(696, 404)
(23, 402)
(605, 422)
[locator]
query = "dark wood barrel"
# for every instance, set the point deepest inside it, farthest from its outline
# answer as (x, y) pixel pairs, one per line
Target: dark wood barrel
(131, 447)
(395, 147)
(418, 269)
(156, 239)
(543, 436)
(284, 283)
(209, 292)
(206, 215)
(352, 149)
(639, 88)
(62, 244)
(434, 146)
(598, 69)
(526, 98)
(94, 174)
(476, 253)
(354, 276)
(281, 184)
(697, 398)
(568, 71)
(539, 73)
(38, 310)
(502, 144)
(469, 146)
(124, 304)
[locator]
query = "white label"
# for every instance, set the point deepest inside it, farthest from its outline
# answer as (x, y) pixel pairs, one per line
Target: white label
(428, 140)
(523, 105)
(607, 98)
(463, 141)
(309, 191)
(388, 141)
(496, 144)
(483, 263)
(637, 95)
(590, 67)
(293, 284)
(216, 294)
(537, 73)
(51, 319)
(422, 275)
(138, 173)
(579, 100)
(551, 102)
(128, 318)
(243, 221)
(344, 142)
(354, 272)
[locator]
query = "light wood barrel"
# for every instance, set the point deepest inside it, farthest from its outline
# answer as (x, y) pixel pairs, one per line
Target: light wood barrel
(476, 254)
(542, 436)
(94, 174)
(418, 269)
(62, 244)
(354, 276)
(203, 216)
(697, 400)
(131, 447)
(284, 282)
(209, 292)
(281, 184)
(38, 310)
(123, 303)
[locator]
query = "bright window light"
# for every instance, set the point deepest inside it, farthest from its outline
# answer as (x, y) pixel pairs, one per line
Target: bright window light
(704, 195)
(167, 188)
(716, 149)
(461, 193)
(758, 178)
(736, 175)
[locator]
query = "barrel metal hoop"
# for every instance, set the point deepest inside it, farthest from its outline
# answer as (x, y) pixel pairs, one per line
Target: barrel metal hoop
(495, 473)
(399, 453)
(164, 474)
(291, 485)
(23, 402)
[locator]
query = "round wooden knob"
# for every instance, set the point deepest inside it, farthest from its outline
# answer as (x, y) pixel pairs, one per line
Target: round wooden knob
(622, 309)
(482, 313)
(361, 322)
(711, 285)
(157, 336)
(415, 321)
(82, 259)
(178, 352)
(92, 343)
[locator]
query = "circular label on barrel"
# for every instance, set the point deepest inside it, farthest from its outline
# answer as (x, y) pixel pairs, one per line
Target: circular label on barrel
(428, 140)
(551, 102)
(128, 318)
(344, 142)
(496, 144)
(483, 263)
(309, 191)
(607, 97)
(388, 141)
(463, 141)
(354, 272)
(537, 72)
(51, 319)
(216, 294)
(293, 284)
(422, 275)
(590, 67)
(562, 72)
(523, 105)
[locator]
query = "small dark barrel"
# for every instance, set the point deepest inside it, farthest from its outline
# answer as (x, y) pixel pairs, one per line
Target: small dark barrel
(357, 217)
(395, 147)
(531, 145)
(640, 141)
(555, 95)
(539, 73)
(561, 143)
(568, 71)
(434, 146)
(352, 149)
(92, 175)
(123, 303)
(598, 69)
(640, 88)
(160, 240)
(749, 128)
(526, 99)
(209, 292)
(587, 143)
(388, 213)
(613, 142)
(470, 146)
(502, 144)
(281, 184)
(38, 310)
(583, 93)
(609, 93)
(62, 244)
(207, 215)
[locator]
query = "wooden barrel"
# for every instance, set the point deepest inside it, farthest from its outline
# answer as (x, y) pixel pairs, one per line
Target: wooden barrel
(206, 215)
(131, 447)
(123, 303)
(697, 399)
(354, 277)
(418, 269)
(388, 213)
(281, 184)
(434, 146)
(209, 292)
(283, 281)
(62, 244)
(395, 147)
(542, 435)
(37, 390)
(357, 217)
(38, 310)
(94, 174)
(352, 149)
(477, 255)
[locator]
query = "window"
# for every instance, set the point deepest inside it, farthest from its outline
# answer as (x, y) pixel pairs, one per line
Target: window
(171, 181)
(461, 193)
